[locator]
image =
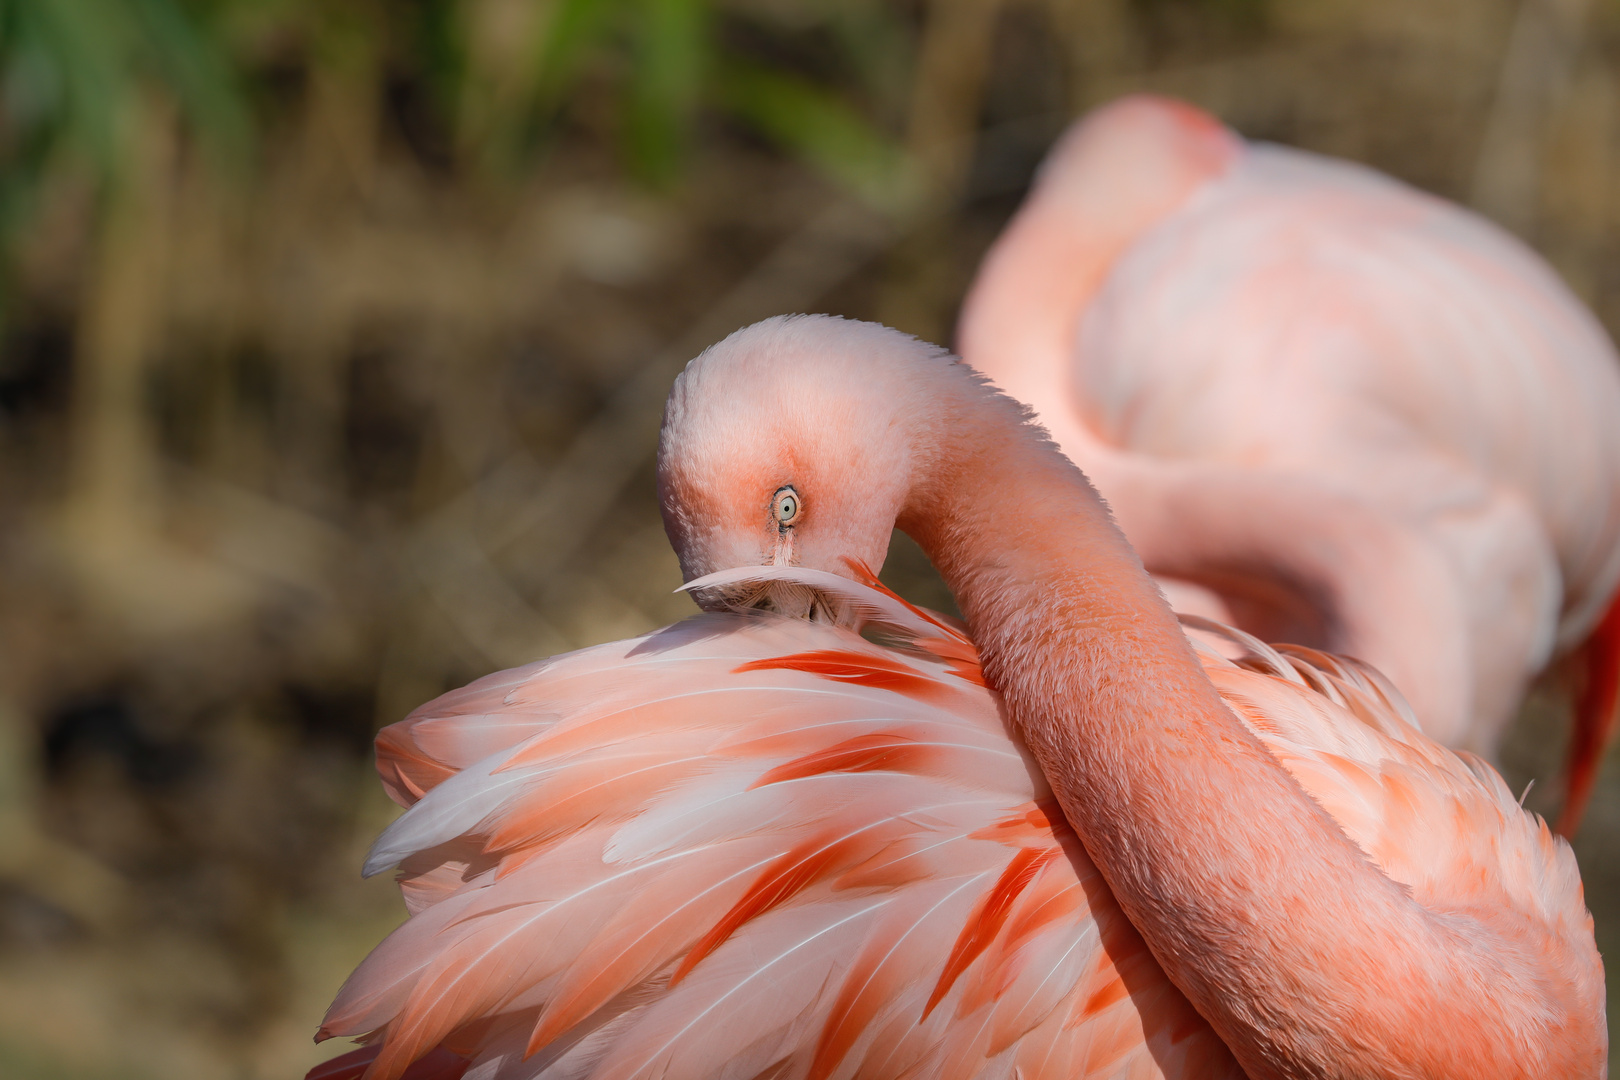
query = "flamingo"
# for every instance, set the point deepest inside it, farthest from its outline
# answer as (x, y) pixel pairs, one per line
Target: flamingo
(761, 844)
(1325, 406)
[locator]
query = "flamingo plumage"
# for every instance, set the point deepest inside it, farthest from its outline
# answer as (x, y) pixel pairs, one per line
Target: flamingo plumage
(758, 844)
(1323, 405)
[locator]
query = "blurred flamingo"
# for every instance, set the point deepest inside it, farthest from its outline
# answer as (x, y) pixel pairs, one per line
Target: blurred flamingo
(1324, 406)
(757, 844)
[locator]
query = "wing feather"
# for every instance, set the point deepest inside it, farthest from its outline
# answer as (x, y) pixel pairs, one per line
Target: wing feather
(754, 846)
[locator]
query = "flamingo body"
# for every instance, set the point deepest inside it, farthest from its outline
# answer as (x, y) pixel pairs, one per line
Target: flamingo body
(1360, 416)
(745, 843)
(754, 845)
(760, 845)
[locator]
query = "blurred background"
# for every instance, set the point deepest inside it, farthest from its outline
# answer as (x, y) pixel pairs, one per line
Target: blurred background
(334, 336)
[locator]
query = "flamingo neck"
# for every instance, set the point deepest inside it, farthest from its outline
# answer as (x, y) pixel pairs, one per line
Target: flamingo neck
(1290, 561)
(1245, 890)
(1112, 179)
(1021, 319)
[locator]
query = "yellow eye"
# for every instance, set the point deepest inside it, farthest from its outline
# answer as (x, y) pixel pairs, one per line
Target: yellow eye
(785, 506)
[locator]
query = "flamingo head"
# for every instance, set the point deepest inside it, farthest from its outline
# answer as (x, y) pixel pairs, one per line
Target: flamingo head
(795, 442)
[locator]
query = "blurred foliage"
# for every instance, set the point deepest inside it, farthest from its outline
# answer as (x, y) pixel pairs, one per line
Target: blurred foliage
(666, 62)
(499, 75)
(73, 70)
(336, 339)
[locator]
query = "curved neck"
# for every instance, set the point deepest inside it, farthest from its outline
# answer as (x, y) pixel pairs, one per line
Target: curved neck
(1112, 178)
(1253, 900)
(1366, 582)
(1359, 581)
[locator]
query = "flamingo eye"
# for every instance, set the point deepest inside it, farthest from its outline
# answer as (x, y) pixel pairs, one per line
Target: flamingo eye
(785, 506)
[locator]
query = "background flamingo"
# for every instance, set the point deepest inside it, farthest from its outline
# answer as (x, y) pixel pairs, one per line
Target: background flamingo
(610, 855)
(1331, 407)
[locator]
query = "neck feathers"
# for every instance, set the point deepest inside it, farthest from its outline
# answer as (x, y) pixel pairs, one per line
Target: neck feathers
(1113, 177)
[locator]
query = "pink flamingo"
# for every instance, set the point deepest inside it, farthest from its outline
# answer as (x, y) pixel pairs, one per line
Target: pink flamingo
(757, 844)
(1323, 405)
